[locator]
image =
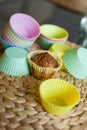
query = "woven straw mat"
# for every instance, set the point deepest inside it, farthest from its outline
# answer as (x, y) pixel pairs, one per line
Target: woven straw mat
(21, 108)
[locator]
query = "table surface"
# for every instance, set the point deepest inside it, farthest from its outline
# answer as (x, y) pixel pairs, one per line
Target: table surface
(79, 6)
(21, 108)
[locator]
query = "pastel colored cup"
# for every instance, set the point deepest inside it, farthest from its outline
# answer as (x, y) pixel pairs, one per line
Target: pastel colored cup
(24, 26)
(50, 34)
(44, 43)
(14, 62)
(58, 96)
(54, 32)
(75, 61)
(10, 36)
(40, 72)
(7, 44)
(60, 49)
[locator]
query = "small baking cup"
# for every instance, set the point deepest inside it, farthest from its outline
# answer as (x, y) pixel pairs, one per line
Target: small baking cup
(55, 40)
(16, 42)
(53, 32)
(9, 35)
(43, 72)
(60, 49)
(58, 96)
(44, 43)
(75, 62)
(7, 44)
(14, 62)
(24, 26)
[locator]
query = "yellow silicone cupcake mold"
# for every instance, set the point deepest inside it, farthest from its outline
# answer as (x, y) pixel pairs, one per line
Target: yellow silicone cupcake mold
(58, 96)
(59, 49)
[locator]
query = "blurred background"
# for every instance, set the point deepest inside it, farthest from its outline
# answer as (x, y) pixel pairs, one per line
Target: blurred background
(43, 11)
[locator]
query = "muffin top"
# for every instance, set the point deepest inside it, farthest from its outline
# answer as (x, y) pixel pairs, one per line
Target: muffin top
(45, 60)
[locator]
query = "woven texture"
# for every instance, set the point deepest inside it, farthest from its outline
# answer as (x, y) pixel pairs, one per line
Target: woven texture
(21, 109)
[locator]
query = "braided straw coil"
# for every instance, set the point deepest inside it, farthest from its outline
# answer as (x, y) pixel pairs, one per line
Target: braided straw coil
(21, 109)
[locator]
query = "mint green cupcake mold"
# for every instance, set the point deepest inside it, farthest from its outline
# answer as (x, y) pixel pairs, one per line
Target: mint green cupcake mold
(14, 62)
(75, 62)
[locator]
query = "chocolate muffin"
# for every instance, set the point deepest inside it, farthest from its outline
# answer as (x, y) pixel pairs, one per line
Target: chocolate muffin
(45, 60)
